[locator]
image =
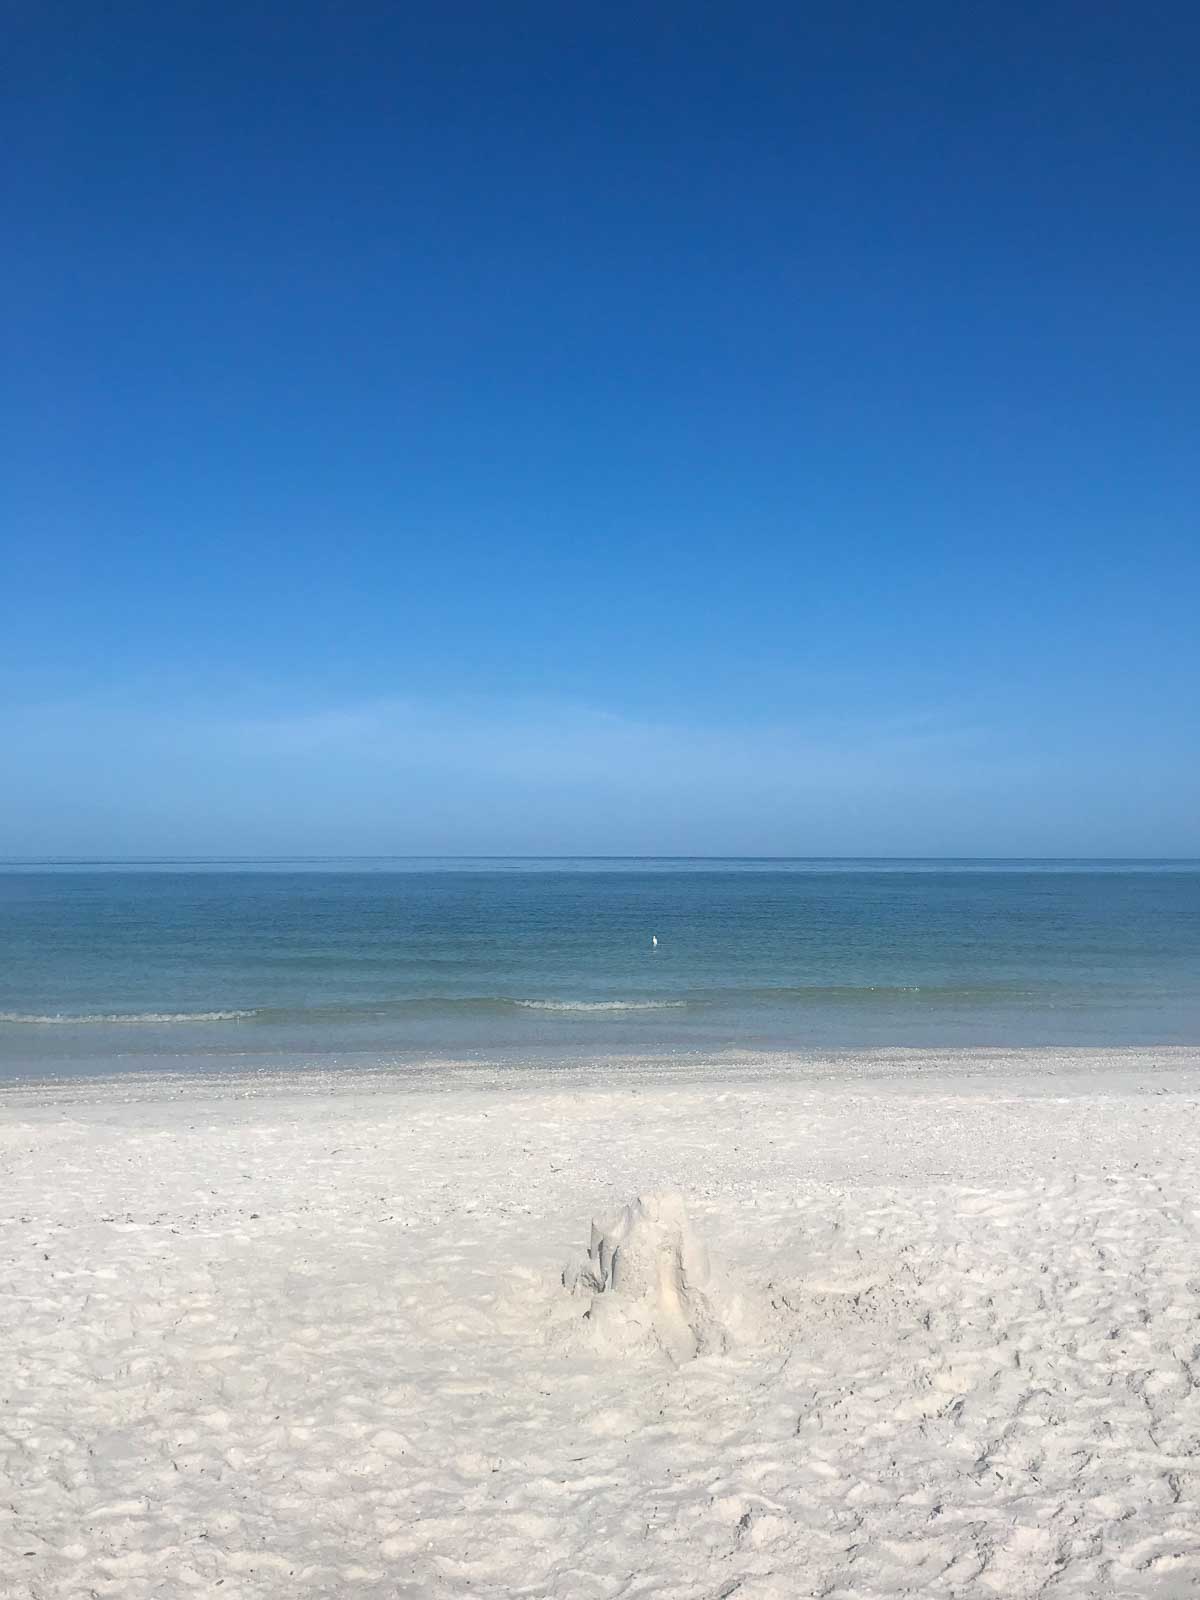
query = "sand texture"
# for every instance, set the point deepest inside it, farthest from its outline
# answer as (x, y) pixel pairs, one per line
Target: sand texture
(913, 1326)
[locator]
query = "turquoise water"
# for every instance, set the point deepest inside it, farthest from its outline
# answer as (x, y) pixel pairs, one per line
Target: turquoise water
(202, 964)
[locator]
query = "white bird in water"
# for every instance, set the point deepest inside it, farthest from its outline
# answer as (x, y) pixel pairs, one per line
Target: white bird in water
(654, 940)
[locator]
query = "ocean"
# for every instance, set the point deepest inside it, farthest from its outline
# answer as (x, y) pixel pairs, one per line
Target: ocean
(237, 965)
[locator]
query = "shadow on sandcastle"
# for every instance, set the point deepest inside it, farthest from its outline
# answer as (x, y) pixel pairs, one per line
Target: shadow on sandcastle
(652, 1284)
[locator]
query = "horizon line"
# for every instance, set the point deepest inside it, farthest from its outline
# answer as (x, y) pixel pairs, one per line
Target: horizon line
(68, 860)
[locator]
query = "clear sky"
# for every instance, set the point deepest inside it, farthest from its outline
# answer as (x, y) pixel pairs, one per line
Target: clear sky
(555, 428)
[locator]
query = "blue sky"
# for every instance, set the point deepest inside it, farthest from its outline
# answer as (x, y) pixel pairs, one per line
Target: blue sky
(698, 428)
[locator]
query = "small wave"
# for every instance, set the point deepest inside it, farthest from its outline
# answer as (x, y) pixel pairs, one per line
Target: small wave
(867, 993)
(839, 991)
(125, 1017)
(600, 1005)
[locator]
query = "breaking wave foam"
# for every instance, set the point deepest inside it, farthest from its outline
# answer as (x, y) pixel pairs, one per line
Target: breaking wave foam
(600, 1005)
(127, 1017)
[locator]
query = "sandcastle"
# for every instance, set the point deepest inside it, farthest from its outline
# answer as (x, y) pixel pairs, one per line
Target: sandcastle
(652, 1283)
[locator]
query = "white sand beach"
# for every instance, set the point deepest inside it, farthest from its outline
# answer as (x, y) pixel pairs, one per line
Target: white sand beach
(311, 1337)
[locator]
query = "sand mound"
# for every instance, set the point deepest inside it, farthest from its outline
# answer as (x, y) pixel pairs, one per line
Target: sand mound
(652, 1283)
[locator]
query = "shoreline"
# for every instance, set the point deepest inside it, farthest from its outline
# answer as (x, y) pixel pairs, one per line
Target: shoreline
(1046, 1066)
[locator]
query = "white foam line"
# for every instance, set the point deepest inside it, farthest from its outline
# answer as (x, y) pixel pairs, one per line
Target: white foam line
(600, 1005)
(131, 1017)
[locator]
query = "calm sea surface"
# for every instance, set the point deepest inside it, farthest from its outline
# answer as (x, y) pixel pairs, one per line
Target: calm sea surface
(227, 964)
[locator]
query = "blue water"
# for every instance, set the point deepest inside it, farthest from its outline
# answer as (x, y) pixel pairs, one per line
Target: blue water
(193, 965)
